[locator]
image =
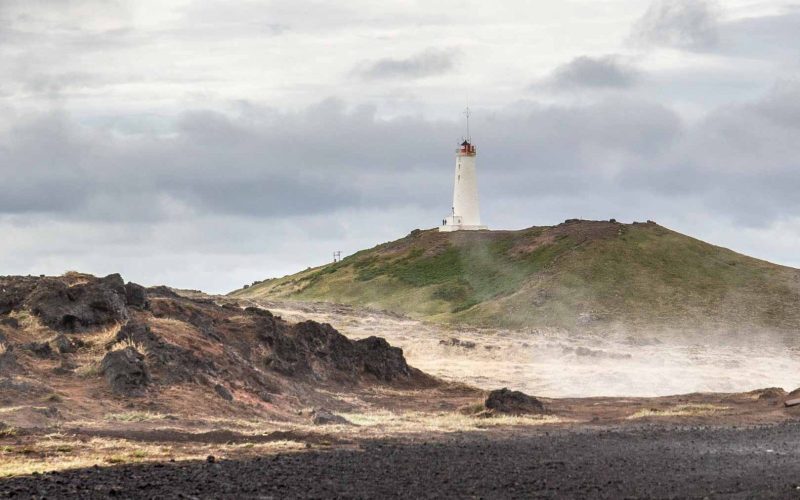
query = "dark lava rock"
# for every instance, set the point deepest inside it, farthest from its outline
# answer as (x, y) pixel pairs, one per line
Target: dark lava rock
(257, 311)
(171, 363)
(135, 295)
(133, 331)
(11, 322)
(513, 403)
(322, 416)
(65, 368)
(126, 371)
(315, 349)
(38, 349)
(382, 360)
(454, 342)
(14, 290)
(8, 361)
(223, 392)
(92, 303)
(162, 291)
(770, 394)
(65, 345)
(191, 311)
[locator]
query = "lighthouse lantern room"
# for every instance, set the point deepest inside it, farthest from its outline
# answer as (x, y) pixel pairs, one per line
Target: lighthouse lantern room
(465, 214)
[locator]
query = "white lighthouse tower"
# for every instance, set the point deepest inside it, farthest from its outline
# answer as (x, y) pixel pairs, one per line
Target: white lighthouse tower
(465, 214)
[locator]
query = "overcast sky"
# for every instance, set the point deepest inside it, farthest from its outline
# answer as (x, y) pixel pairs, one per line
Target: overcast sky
(206, 144)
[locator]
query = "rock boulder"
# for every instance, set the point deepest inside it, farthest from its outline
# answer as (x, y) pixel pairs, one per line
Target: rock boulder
(126, 371)
(513, 403)
(387, 363)
(322, 416)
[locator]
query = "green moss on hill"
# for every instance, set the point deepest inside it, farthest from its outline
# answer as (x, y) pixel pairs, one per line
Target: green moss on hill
(577, 274)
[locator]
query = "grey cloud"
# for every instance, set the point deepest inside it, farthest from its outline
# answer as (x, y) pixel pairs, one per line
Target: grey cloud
(263, 164)
(684, 24)
(782, 105)
(431, 62)
(741, 161)
(53, 83)
(607, 72)
(762, 36)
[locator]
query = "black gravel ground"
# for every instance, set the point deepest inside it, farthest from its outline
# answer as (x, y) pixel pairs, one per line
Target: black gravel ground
(631, 462)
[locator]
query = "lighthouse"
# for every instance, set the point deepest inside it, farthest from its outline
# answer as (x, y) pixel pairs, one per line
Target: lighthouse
(465, 214)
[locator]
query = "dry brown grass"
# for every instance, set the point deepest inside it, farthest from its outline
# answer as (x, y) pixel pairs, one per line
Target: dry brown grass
(31, 327)
(687, 410)
(88, 370)
(134, 416)
(422, 422)
(77, 278)
(3, 348)
(101, 338)
(59, 452)
(8, 432)
(137, 346)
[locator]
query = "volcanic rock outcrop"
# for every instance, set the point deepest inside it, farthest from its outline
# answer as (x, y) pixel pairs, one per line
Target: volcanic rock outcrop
(143, 342)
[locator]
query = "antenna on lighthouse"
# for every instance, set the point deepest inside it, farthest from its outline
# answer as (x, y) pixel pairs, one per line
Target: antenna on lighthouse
(467, 113)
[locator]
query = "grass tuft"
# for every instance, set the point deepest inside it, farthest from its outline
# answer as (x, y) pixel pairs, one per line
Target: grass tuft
(8, 432)
(138, 346)
(89, 370)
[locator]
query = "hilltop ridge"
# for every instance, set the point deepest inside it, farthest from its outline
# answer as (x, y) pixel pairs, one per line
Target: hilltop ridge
(578, 274)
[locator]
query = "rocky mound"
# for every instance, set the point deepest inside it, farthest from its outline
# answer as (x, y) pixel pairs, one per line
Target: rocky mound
(507, 402)
(104, 339)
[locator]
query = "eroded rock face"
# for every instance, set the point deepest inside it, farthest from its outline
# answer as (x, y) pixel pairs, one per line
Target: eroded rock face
(170, 362)
(14, 290)
(387, 363)
(125, 371)
(311, 348)
(513, 403)
(96, 302)
(135, 295)
(187, 340)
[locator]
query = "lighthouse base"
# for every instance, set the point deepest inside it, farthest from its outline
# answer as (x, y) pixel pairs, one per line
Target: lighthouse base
(456, 223)
(449, 228)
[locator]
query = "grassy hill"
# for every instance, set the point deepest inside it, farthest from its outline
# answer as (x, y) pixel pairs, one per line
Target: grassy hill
(577, 274)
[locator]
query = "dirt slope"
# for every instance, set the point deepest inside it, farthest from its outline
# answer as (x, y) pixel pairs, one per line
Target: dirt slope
(577, 275)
